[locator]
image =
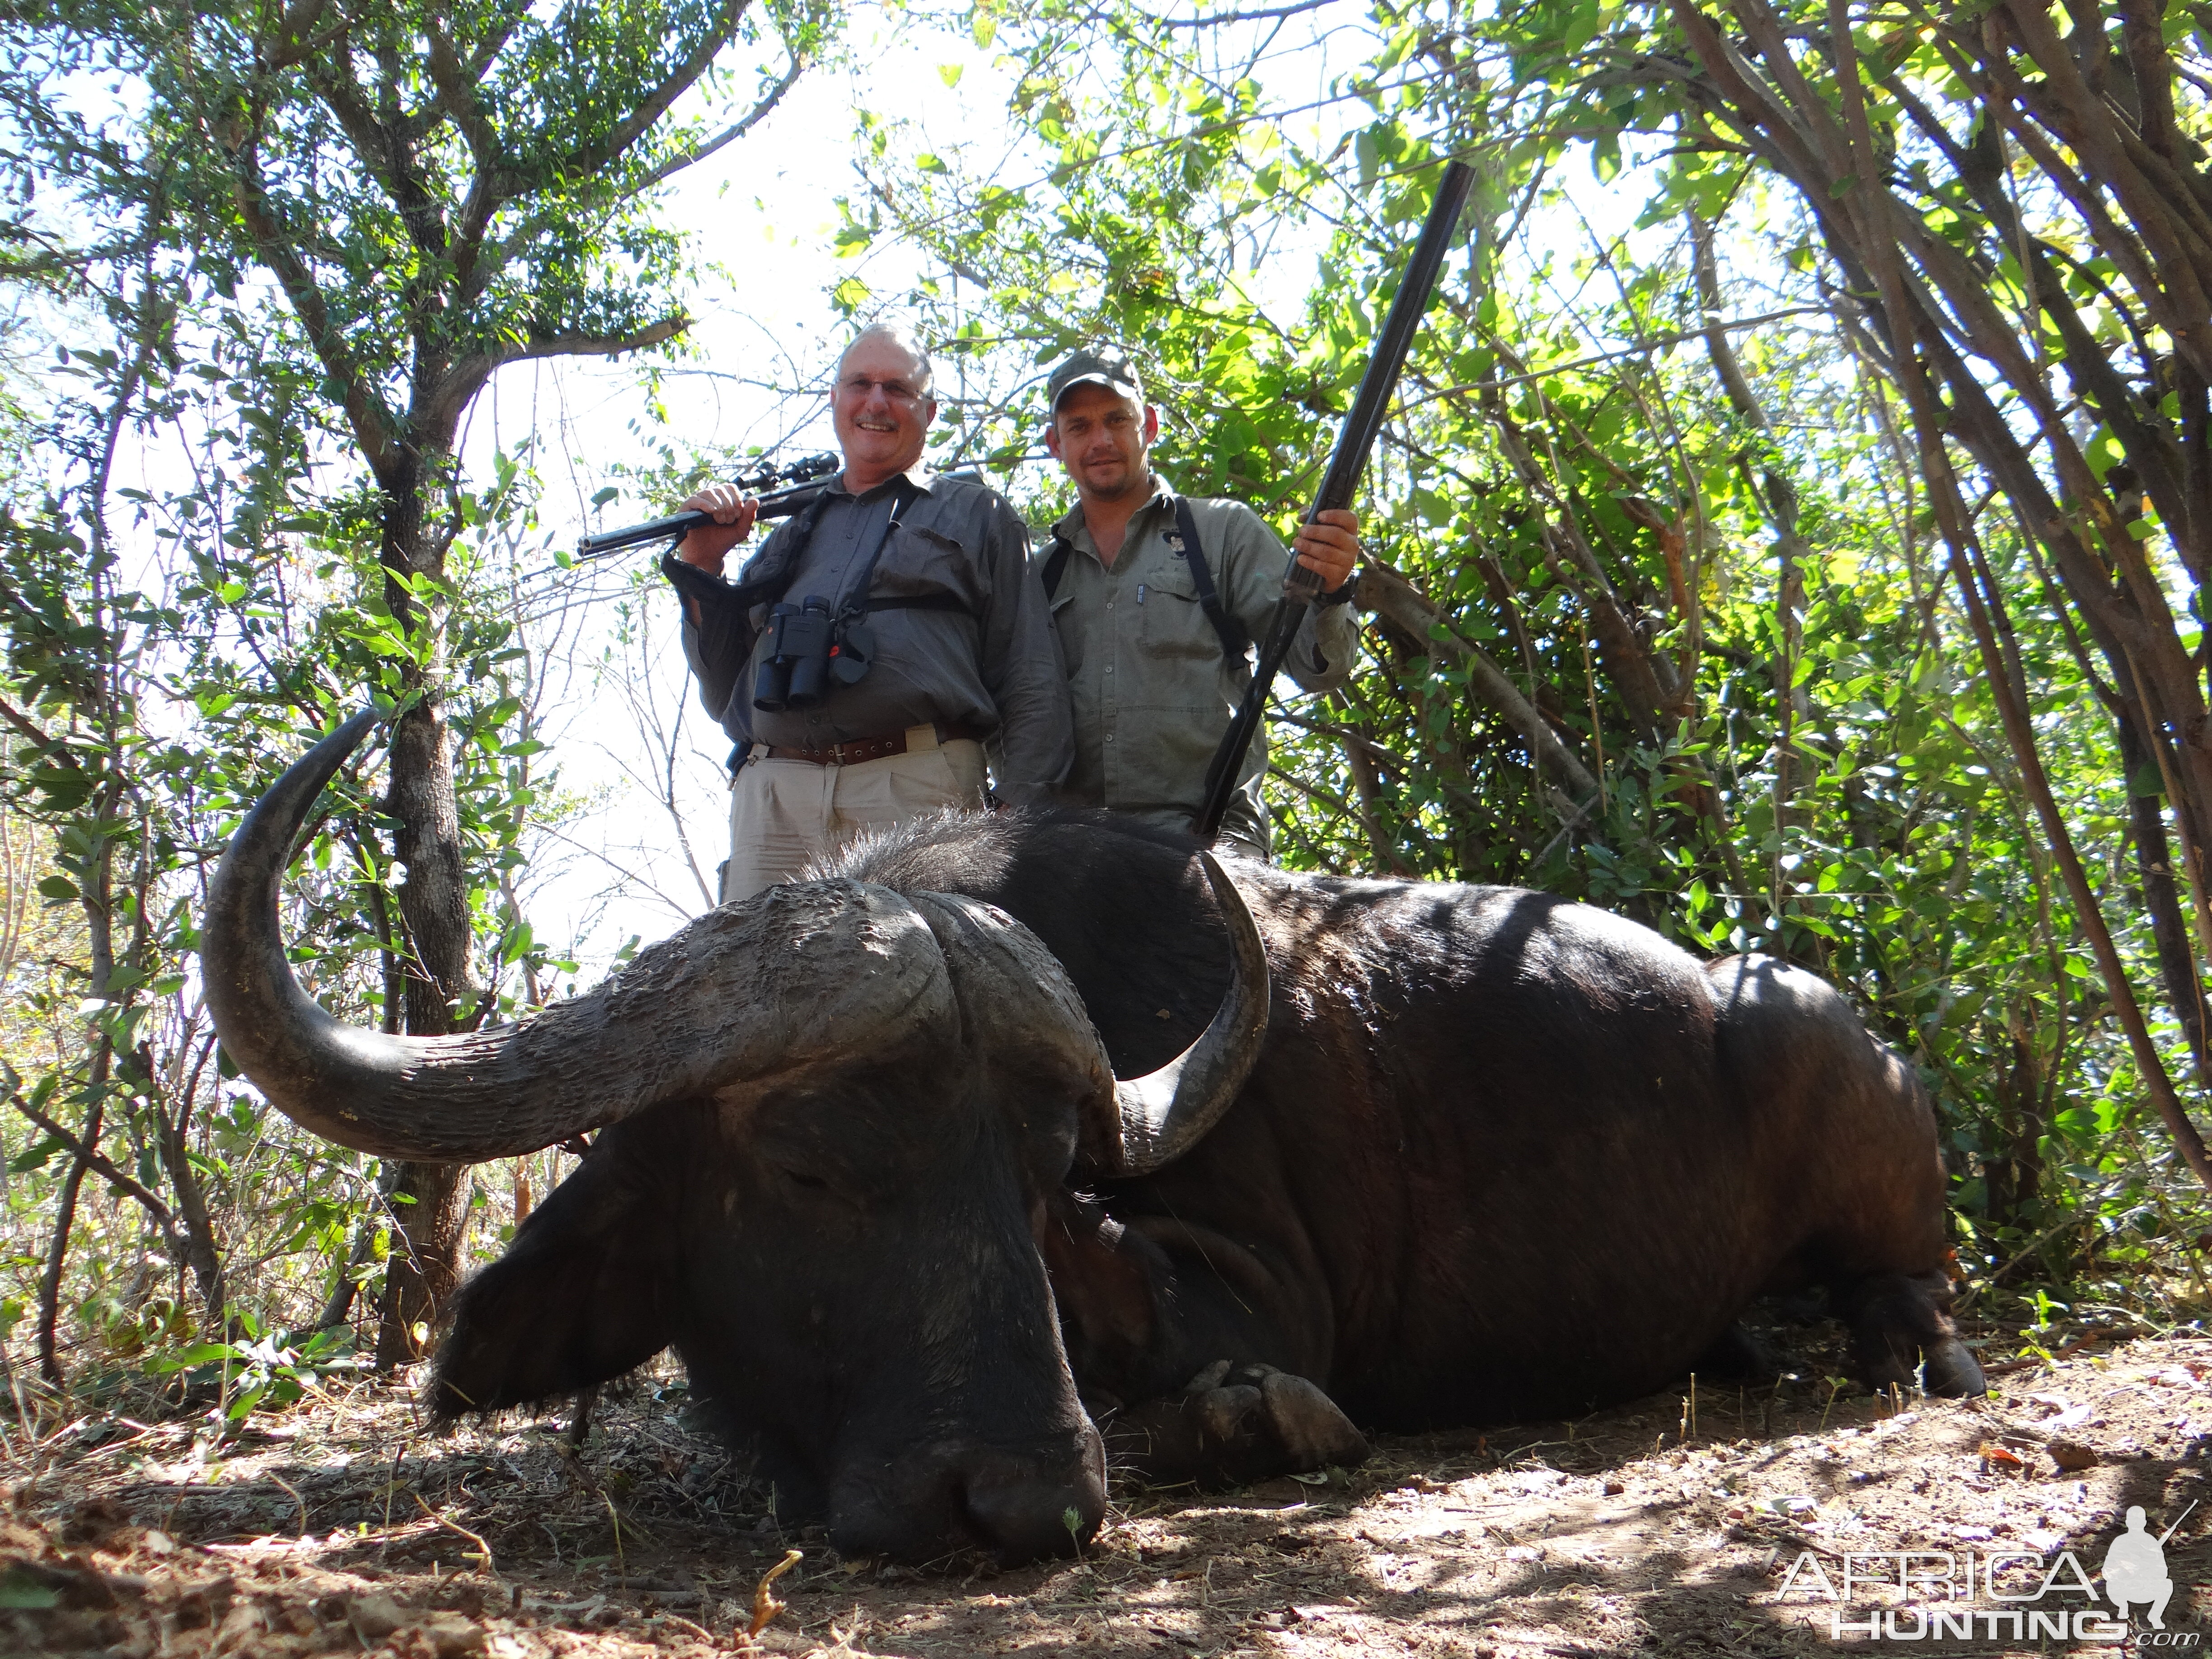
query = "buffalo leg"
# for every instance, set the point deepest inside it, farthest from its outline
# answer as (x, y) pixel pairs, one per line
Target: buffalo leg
(1141, 1304)
(1231, 1426)
(1738, 1356)
(1897, 1324)
(580, 1295)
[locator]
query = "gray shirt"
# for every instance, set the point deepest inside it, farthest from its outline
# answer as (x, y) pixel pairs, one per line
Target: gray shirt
(986, 661)
(1153, 692)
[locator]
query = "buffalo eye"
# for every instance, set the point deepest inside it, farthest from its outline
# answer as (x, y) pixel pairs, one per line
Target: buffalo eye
(806, 1180)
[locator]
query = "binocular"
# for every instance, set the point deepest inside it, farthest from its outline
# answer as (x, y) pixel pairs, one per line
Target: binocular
(809, 645)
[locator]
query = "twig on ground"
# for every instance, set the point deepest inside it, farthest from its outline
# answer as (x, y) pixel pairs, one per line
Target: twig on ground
(296, 1498)
(452, 1526)
(390, 1487)
(2030, 1363)
(699, 1631)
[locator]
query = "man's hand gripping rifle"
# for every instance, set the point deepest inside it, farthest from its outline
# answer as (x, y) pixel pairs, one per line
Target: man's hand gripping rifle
(1353, 442)
(803, 477)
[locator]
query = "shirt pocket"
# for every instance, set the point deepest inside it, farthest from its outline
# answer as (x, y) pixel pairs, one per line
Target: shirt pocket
(926, 564)
(1067, 625)
(1172, 625)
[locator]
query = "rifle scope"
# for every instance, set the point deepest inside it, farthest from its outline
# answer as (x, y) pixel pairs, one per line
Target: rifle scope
(803, 476)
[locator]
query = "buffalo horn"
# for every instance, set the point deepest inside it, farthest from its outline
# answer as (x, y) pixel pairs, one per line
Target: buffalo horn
(1164, 1114)
(799, 977)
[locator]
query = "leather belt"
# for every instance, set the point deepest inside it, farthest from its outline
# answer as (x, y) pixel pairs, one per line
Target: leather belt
(867, 749)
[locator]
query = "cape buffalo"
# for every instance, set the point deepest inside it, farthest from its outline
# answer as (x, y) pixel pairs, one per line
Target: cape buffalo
(1431, 1154)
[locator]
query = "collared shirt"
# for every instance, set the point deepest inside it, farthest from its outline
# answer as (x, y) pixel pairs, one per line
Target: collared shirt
(1153, 693)
(990, 666)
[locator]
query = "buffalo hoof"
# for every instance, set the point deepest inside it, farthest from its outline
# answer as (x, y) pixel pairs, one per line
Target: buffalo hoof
(1954, 1372)
(1229, 1425)
(1312, 1430)
(1902, 1337)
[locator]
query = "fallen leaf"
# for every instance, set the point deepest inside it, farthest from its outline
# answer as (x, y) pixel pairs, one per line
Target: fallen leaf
(376, 1616)
(765, 1604)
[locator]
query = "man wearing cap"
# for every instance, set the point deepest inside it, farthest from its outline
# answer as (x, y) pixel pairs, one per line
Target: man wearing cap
(943, 640)
(1155, 598)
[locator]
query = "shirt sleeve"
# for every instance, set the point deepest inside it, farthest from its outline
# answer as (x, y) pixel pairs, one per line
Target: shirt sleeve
(1036, 743)
(719, 641)
(1321, 655)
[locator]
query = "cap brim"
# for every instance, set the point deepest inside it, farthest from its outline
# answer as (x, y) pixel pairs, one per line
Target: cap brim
(1098, 377)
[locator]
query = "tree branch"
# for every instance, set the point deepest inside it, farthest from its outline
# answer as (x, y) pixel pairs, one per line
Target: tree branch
(99, 1163)
(1654, 343)
(1220, 17)
(591, 158)
(22, 722)
(373, 427)
(1388, 594)
(468, 375)
(736, 130)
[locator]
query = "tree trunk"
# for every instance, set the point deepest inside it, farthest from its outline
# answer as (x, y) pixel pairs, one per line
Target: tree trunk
(50, 1282)
(201, 1253)
(440, 989)
(2162, 895)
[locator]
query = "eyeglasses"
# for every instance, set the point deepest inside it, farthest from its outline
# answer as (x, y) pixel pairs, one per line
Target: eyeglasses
(896, 392)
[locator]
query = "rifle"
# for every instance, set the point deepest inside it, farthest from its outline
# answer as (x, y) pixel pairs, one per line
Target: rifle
(803, 476)
(1353, 441)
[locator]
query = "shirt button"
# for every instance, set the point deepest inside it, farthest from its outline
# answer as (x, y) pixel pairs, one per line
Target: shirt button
(1109, 736)
(1109, 667)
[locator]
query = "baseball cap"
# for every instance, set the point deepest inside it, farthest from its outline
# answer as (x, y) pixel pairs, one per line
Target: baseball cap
(1104, 367)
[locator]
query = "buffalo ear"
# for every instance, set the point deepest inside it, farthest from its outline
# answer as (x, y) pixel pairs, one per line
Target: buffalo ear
(1157, 1118)
(1017, 1003)
(582, 1295)
(1015, 1000)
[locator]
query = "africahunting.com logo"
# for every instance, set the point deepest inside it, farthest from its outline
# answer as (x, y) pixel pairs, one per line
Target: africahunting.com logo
(2012, 1595)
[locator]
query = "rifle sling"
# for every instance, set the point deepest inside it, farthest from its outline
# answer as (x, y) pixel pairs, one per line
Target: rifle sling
(1234, 640)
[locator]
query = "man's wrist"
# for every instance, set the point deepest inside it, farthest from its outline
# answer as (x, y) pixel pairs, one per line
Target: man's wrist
(710, 564)
(1341, 595)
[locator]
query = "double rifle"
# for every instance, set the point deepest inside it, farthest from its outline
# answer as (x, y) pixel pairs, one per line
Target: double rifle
(1301, 586)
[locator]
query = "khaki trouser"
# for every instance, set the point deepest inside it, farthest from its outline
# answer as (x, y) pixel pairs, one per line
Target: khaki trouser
(785, 813)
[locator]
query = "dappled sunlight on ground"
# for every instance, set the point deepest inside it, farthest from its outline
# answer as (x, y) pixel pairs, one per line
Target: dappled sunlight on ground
(338, 1527)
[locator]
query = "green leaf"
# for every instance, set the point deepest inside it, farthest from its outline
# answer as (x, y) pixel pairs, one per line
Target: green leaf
(60, 889)
(949, 73)
(21, 1589)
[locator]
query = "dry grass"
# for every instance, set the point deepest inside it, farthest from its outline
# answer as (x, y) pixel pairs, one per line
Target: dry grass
(339, 1528)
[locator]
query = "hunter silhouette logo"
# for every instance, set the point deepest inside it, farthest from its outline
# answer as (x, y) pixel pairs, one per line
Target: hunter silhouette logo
(1948, 1594)
(2135, 1569)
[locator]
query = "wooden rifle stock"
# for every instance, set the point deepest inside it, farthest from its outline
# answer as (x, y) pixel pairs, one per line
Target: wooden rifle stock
(1354, 442)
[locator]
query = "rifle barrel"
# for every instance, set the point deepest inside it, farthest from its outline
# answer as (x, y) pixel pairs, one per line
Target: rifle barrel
(1355, 440)
(775, 504)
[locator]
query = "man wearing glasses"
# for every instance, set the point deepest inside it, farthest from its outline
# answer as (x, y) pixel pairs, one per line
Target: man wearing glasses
(876, 643)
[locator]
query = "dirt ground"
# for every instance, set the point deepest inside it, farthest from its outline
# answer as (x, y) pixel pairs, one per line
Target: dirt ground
(1669, 1526)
